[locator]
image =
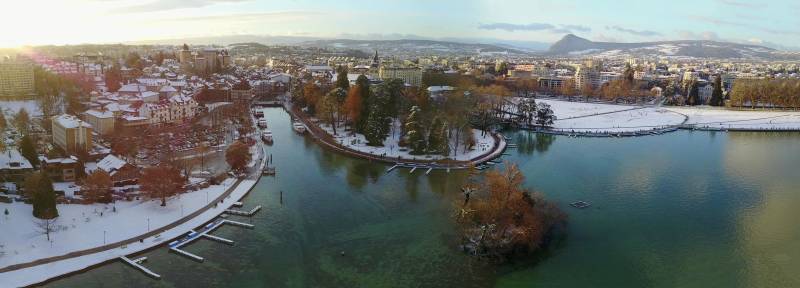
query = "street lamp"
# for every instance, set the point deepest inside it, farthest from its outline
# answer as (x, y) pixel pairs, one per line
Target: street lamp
(104, 237)
(148, 224)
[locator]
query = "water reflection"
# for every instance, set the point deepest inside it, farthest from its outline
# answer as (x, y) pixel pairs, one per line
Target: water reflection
(528, 143)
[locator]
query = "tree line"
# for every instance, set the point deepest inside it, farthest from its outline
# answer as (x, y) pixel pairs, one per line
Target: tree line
(766, 93)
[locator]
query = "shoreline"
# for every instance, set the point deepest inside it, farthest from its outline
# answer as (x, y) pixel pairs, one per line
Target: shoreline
(55, 267)
(500, 145)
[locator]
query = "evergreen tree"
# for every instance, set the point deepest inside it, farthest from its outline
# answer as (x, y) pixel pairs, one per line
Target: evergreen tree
(544, 115)
(415, 131)
(378, 121)
(28, 150)
(435, 135)
(692, 93)
(39, 187)
(716, 96)
(628, 74)
(363, 86)
(341, 78)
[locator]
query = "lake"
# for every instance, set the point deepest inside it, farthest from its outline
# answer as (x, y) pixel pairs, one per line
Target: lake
(685, 209)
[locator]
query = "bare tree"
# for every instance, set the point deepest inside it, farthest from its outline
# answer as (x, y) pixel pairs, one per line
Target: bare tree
(46, 226)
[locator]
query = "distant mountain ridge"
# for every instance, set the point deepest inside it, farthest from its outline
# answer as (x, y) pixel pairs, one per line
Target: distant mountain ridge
(574, 45)
(413, 45)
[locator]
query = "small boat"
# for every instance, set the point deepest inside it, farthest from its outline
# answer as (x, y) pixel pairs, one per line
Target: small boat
(258, 114)
(262, 123)
(299, 127)
(266, 136)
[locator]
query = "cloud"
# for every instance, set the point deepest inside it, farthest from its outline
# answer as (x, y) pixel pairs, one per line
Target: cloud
(244, 17)
(641, 33)
(165, 5)
(717, 21)
(741, 4)
(510, 27)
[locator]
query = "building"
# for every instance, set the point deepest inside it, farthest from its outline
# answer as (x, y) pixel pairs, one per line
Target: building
(16, 79)
(13, 167)
(122, 173)
(177, 109)
(101, 120)
(551, 83)
(72, 134)
(242, 92)
(410, 75)
(439, 93)
(60, 169)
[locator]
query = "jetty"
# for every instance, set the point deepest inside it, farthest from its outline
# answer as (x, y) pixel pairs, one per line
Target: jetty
(137, 263)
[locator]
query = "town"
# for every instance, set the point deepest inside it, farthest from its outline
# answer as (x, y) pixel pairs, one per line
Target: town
(110, 153)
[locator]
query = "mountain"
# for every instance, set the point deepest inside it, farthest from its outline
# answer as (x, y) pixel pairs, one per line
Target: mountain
(572, 45)
(413, 46)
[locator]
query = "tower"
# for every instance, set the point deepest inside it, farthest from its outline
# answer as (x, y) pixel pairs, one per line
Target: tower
(375, 61)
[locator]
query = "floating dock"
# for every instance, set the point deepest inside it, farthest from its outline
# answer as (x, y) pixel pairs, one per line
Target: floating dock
(175, 246)
(244, 213)
(137, 264)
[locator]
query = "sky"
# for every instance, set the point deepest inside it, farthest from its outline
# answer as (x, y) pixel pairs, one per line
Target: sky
(39, 22)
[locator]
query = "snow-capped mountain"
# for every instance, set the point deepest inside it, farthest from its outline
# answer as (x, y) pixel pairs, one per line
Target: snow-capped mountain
(572, 45)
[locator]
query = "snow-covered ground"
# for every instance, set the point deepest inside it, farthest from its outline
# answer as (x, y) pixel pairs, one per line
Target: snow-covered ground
(604, 118)
(624, 121)
(710, 117)
(39, 273)
(82, 227)
(391, 148)
(566, 109)
(10, 108)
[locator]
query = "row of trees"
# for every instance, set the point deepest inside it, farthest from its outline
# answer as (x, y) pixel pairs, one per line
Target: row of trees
(754, 93)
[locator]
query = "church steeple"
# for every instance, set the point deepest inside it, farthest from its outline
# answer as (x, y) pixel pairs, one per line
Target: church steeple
(375, 61)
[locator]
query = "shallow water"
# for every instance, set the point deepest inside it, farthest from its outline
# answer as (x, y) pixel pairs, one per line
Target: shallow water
(685, 209)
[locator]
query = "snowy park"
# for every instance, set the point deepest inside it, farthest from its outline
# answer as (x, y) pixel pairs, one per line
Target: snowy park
(611, 118)
(484, 142)
(80, 227)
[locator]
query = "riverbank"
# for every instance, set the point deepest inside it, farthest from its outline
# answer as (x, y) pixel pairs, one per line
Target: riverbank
(129, 240)
(492, 147)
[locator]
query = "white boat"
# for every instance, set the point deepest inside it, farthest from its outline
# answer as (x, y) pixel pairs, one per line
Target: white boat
(266, 136)
(299, 127)
(262, 123)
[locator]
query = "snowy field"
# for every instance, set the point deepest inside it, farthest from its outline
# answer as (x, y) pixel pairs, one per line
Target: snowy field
(624, 121)
(710, 117)
(608, 118)
(391, 148)
(82, 227)
(566, 109)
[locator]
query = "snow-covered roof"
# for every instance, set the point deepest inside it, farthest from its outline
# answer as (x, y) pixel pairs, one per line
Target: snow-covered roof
(12, 159)
(168, 89)
(100, 114)
(68, 121)
(147, 94)
(66, 160)
(111, 164)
